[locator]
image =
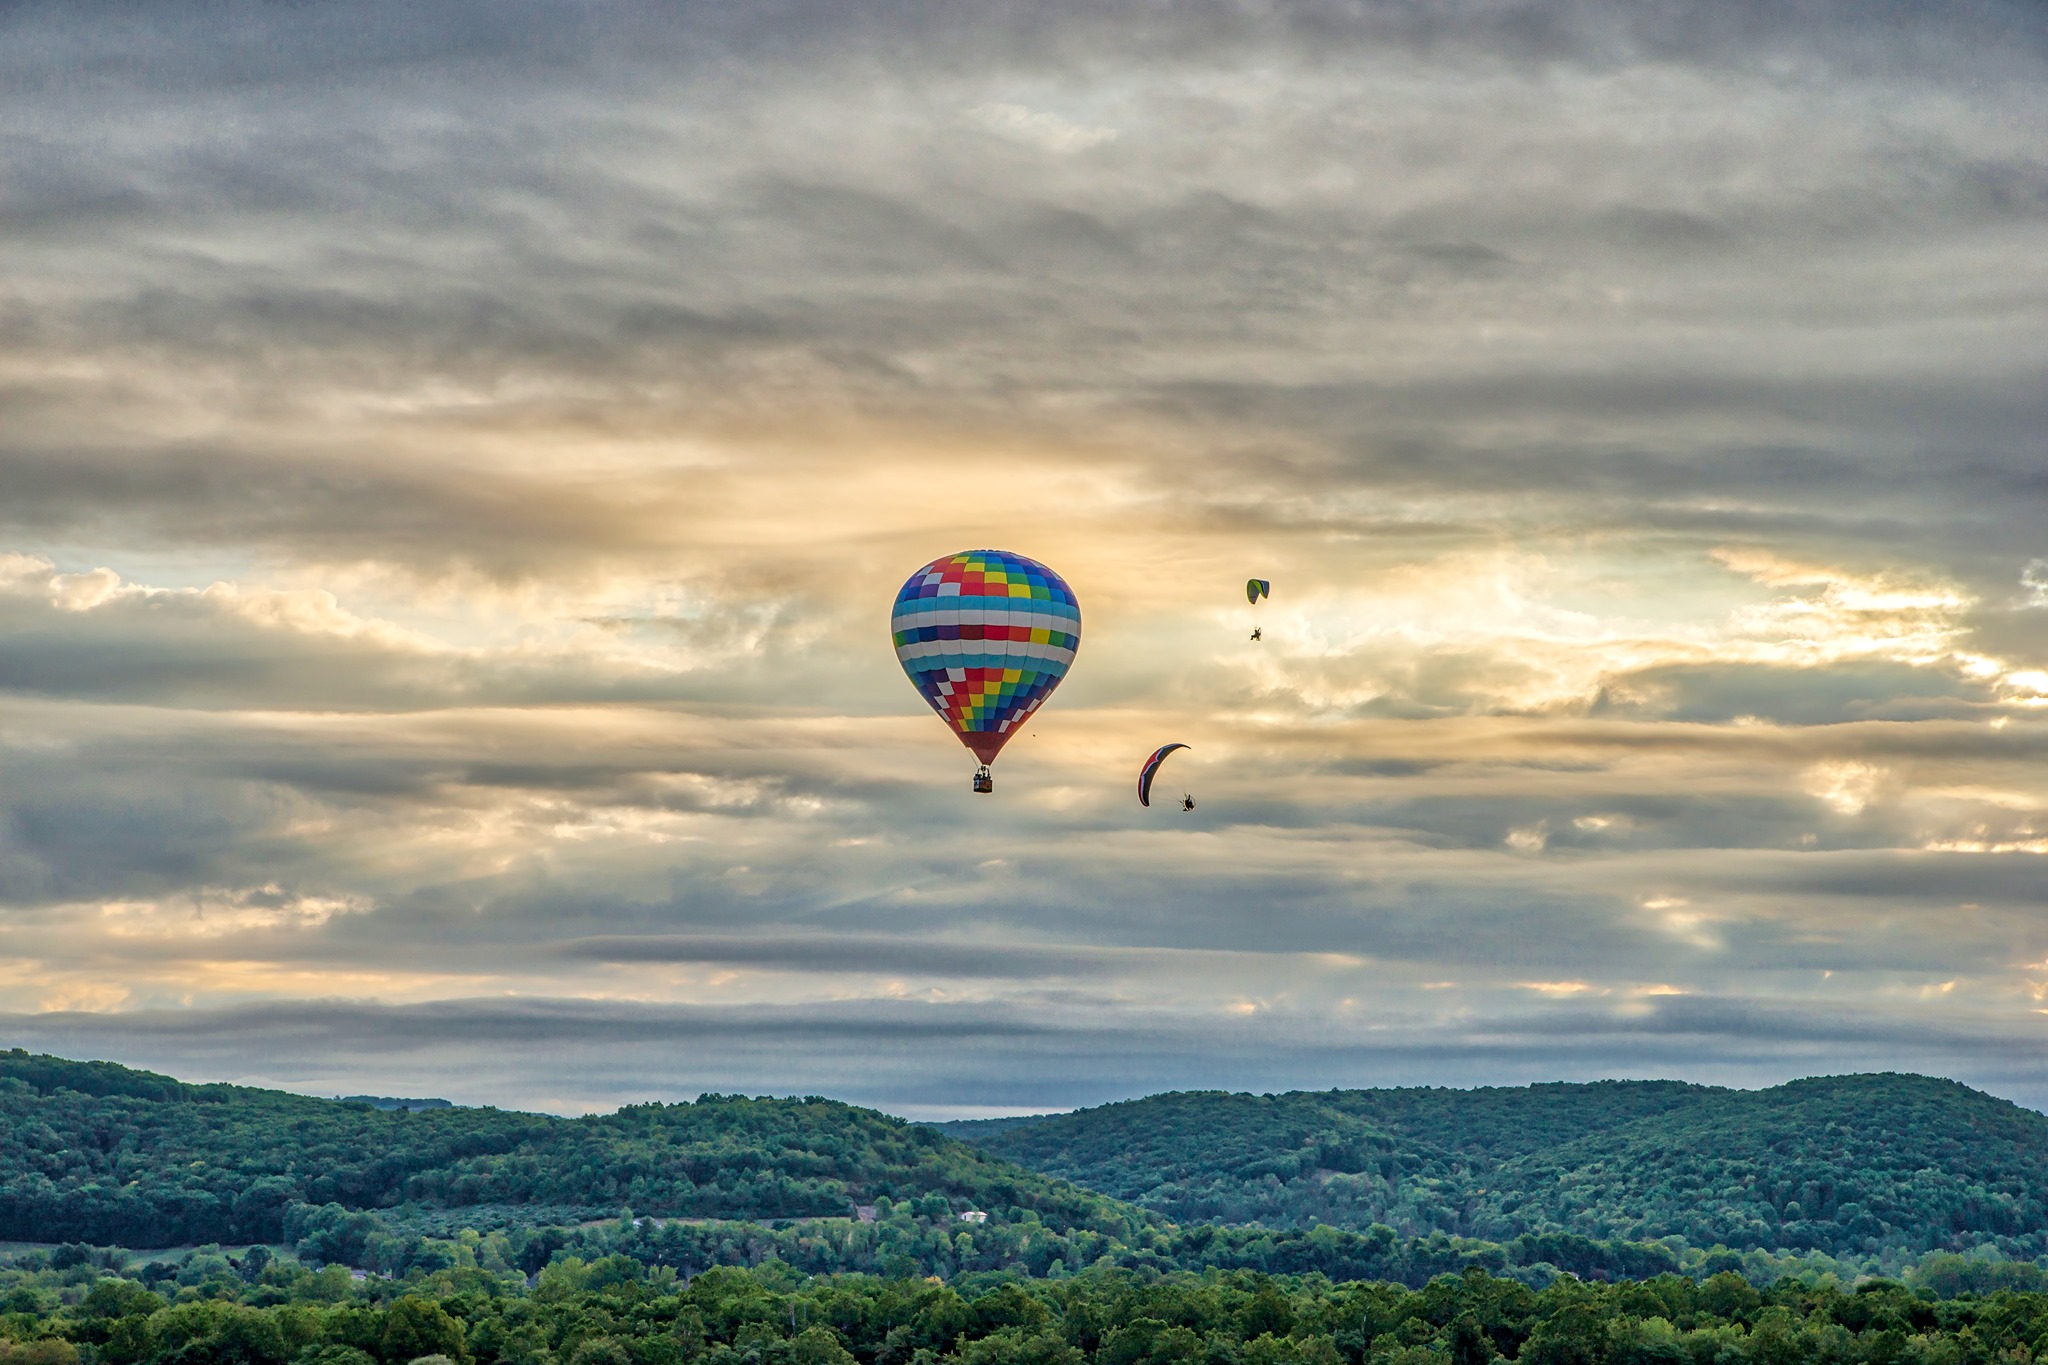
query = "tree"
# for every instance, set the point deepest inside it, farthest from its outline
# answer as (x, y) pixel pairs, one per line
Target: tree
(334, 1355)
(47, 1351)
(415, 1327)
(1575, 1335)
(1469, 1343)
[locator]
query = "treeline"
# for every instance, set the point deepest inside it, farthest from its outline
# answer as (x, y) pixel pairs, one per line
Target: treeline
(1878, 1170)
(927, 1237)
(73, 1309)
(97, 1153)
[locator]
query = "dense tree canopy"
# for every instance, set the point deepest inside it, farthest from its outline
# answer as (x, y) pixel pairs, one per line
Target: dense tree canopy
(97, 1153)
(75, 1308)
(1885, 1167)
(1615, 1180)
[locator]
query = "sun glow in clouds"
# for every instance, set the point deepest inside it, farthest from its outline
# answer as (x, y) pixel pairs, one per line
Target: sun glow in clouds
(449, 529)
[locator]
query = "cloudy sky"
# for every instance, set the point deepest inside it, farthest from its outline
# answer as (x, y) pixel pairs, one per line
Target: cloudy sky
(456, 461)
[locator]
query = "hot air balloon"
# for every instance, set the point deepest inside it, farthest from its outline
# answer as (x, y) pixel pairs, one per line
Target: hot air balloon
(985, 636)
(1152, 766)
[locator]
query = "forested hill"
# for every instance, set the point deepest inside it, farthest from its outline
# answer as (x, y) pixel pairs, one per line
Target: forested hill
(1853, 1166)
(99, 1153)
(1345, 1157)
(1871, 1171)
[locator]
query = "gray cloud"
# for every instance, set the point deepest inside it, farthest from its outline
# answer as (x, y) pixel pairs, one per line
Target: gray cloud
(847, 953)
(500, 429)
(927, 1061)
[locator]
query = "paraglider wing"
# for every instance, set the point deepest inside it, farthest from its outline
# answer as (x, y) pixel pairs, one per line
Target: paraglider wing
(1256, 588)
(1151, 767)
(985, 636)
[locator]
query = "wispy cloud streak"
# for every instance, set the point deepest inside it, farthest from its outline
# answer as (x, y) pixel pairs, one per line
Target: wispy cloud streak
(454, 465)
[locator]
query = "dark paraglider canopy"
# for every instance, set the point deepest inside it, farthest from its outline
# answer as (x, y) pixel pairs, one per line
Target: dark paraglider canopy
(1150, 767)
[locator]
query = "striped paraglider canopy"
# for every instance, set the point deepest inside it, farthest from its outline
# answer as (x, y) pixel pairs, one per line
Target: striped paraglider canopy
(1152, 766)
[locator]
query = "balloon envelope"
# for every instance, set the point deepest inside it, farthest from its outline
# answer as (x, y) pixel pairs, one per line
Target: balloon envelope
(1256, 588)
(1151, 767)
(985, 636)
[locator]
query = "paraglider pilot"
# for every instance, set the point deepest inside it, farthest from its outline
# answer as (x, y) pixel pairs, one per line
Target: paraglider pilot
(1187, 801)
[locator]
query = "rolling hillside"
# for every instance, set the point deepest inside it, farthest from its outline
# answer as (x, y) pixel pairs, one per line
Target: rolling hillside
(99, 1153)
(1852, 1166)
(1842, 1164)
(1613, 1178)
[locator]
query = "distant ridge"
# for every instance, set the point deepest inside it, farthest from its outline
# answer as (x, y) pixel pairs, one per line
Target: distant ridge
(387, 1102)
(1851, 1166)
(976, 1129)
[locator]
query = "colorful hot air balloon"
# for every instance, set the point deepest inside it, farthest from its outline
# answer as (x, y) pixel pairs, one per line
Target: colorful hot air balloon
(1152, 766)
(986, 636)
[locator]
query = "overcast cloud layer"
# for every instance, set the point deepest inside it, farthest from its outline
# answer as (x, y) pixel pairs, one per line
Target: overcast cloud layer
(455, 463)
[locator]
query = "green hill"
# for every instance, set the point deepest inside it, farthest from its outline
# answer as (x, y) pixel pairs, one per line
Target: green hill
(98, 1153)
(1616, 1178)
(1854, 1166)
(1843, 1164)
(1502, 1122)
(95, 1153)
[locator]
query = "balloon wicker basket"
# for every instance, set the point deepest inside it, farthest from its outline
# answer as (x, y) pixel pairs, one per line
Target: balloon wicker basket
(984, 781)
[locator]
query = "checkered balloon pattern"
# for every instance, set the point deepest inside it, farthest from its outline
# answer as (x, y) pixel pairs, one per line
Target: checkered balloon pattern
(986, 636)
